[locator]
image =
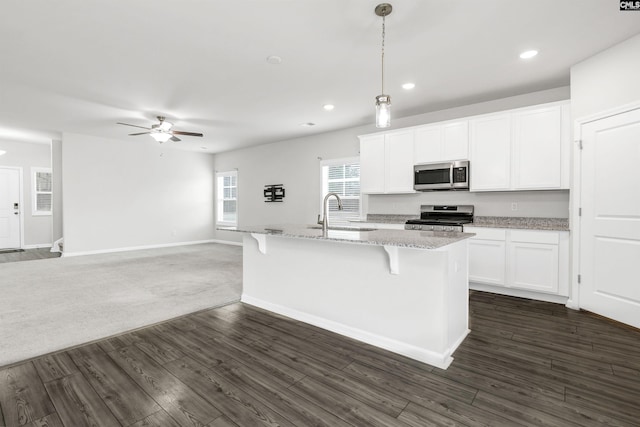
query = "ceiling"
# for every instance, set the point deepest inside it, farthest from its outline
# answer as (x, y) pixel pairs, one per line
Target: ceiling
(81, 66)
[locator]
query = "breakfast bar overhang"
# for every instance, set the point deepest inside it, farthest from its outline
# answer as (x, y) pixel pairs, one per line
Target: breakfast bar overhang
(404, 291)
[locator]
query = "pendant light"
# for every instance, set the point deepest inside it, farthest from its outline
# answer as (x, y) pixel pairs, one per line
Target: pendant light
(383, 102)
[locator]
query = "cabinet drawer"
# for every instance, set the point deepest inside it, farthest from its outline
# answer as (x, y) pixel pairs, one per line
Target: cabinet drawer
(487, 233)
(535, 236)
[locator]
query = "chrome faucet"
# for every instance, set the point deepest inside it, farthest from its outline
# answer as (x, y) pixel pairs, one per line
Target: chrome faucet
(325, 220)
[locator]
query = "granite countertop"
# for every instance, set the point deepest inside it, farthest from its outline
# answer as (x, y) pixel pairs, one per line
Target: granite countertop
(387, 219)
(524, 223)
(402, 238)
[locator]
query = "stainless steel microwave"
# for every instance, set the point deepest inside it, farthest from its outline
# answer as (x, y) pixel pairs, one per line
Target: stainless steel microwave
(452, 175)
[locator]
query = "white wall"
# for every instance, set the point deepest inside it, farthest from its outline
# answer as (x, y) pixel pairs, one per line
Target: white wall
(121, 194)
(37, 229)
(550, 204)
(606, 80)
(295, 164)
(56, 166)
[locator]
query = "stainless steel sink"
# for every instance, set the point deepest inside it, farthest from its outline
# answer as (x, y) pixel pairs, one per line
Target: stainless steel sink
(319, 227)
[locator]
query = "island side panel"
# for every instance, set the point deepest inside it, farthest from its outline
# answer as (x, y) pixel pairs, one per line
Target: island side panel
(458, 295)
(347, 288)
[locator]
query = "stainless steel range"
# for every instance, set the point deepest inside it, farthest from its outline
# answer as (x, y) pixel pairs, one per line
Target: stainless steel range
(441, 218)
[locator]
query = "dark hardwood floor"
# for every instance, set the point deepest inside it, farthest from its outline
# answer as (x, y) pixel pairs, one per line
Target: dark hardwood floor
(525, 363)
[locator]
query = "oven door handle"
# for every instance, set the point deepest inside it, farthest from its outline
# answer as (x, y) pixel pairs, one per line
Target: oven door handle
(451, 175)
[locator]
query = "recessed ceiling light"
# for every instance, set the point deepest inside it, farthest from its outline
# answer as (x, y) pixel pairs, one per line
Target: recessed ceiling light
(528, 54)
(204, 148)
(328, 107)
(307, 125)
(408, 86)
(2, 152)
(274, 59)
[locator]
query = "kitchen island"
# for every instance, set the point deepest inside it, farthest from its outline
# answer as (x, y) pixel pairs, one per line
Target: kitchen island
(404, 291)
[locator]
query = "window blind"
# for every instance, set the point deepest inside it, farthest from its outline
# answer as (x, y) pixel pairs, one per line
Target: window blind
(343, 178)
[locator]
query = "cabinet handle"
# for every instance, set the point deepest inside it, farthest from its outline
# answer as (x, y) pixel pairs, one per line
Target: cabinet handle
(451, 175)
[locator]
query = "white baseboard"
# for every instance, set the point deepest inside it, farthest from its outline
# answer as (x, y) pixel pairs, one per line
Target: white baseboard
(439, 360)
(558, 299)
(136, 248)
(573, 304)
(227, 242)
(37, 246)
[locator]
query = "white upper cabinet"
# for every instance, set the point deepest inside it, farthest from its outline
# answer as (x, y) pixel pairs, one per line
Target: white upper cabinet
(386, 163)
(372, 164)
(521, 149)
(537, 148)
(524, 149)
(490, 162)
(399, 165)
(441, 142)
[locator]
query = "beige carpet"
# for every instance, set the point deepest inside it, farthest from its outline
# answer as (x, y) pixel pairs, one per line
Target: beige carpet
(51, 304)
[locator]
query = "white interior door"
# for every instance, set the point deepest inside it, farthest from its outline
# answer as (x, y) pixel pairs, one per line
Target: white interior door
(9, 208)
(610, 223)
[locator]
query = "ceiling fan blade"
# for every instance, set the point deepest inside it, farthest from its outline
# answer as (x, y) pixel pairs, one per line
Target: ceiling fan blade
(141, 133)
(175, 139)
(179, 132)
(135, 126)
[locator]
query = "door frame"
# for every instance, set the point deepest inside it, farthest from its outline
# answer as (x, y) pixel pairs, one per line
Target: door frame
(575, 224)
(21, 199)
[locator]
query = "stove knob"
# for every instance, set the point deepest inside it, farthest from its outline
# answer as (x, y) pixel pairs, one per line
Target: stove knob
(431, 228)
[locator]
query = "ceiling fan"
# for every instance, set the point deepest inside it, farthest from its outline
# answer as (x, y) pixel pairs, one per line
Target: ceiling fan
(161, 131)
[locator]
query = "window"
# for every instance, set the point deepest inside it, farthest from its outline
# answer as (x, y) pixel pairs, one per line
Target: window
(227, 198)
(342, 176)
(42, 191)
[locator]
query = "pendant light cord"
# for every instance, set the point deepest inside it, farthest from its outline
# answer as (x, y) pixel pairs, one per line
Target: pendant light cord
(383, 34)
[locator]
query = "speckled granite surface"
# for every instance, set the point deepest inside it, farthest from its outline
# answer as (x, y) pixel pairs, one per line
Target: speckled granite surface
(390, 219)
(402, 238)
(526, 223)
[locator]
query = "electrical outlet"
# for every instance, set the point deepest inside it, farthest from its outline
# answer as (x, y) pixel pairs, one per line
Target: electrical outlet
(514, 206)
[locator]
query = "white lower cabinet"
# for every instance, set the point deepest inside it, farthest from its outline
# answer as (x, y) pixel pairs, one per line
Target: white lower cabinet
(487, 256)
(534, 261)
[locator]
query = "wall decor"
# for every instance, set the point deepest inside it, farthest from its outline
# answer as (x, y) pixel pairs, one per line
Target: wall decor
(273, 193)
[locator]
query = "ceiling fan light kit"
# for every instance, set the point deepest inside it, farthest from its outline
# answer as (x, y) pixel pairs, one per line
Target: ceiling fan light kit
(383, 102)
(160, 136)
(161, 131)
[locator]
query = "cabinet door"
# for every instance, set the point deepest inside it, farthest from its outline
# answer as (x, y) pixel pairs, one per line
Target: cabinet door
(442, 142)
(455, 141)
(399, 162)
(372, 164)
(565, 162)
(533, 266)
(487, 261)
(537, 148)
(490, 142)
(428, 144)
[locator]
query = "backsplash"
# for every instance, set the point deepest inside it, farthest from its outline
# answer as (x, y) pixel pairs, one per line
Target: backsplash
(543, 204)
